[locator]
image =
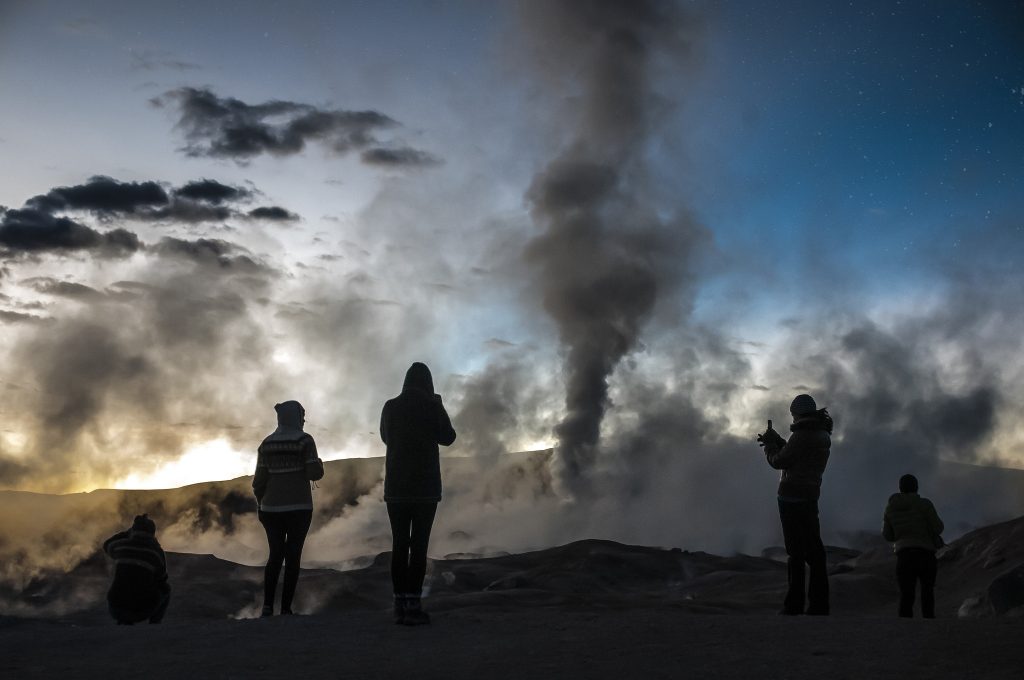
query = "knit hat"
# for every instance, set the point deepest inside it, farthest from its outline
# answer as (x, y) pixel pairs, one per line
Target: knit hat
(144, 523)
(803, 405)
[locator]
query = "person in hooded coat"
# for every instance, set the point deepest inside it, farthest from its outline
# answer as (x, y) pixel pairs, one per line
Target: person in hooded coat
(913, 526)
(412, 425)
(802, 461)
(140, 590)
(286, 465)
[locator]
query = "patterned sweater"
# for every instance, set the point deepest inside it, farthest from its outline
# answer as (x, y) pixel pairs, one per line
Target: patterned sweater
(140, 572)
(286, 464)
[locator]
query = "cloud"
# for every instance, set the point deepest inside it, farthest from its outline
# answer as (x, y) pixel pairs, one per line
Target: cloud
(399, 157)
(212, 191)
(66, 289)
(102, 195)
(225, 127)
(203, 200)
(34, 231)
(211, 252)
(273, 213)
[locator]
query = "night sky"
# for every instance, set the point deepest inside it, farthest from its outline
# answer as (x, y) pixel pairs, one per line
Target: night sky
(631, 236)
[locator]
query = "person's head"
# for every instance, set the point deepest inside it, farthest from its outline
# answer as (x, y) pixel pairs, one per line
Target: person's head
(144, 523)
(803, 405)
(290, 414)
(418, 377)
(908, 484)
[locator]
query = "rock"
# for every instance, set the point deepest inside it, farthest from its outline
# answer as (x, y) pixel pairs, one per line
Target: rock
(1006, 592)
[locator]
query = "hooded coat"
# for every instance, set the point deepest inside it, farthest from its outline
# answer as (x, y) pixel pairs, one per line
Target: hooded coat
(911, 522)
(412, 425)
(286, 463)
(803, 458)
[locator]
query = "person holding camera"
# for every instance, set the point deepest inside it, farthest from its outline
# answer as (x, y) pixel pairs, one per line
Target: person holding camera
(411, 426)
(913, 526)
(802, 461)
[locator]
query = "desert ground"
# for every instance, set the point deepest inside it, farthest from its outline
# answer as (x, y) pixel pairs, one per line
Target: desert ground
(590, 609)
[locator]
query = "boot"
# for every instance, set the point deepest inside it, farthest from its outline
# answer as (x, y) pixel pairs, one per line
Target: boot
(414, 614)
(268, 610)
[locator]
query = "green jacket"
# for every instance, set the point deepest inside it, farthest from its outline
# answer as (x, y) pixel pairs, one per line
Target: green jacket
(911, 522)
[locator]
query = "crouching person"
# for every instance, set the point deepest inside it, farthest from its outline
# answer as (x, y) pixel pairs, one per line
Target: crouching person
(913, 526)
(140, 590)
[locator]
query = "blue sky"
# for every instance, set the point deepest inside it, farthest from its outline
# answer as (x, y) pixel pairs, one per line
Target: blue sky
(840, 165)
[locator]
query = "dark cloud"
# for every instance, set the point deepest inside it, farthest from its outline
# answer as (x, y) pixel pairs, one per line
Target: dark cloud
(399, 157)
(204, 200)
(212, 191)
(34, 231)
(273, 213)
(102, 195)
(225, 127)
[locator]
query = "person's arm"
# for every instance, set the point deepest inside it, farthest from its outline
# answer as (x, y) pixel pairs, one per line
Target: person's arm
(384, 424)
(934, 522)
(314, 466)
(445, 431)
(887, 531)
(116, 537)
(259, 480)
(782, 454)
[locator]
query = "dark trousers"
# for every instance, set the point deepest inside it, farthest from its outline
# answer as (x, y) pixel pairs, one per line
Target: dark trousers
(802, 534)
(126, 616)
(410, 534)
(286, 532)
(913, 565)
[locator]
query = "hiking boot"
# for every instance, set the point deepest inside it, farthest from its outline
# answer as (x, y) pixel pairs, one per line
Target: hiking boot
(414, 614)
(268, 610)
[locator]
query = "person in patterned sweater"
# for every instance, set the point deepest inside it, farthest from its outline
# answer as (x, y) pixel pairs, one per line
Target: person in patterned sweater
(140, 590)
(286, 465)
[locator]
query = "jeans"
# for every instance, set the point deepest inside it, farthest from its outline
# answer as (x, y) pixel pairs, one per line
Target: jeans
(410, 534)
(286, 532)
(802, 535)
(913, 565)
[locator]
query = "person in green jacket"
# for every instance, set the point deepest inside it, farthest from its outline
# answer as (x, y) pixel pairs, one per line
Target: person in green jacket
(915, 530)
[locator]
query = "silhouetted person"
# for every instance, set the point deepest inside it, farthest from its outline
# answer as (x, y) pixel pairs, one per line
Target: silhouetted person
(915, 530)
(286, 466)
(412, 425)
(140, 590)
(802, 460)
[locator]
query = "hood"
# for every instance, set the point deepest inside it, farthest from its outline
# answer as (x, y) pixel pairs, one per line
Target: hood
(418, 378)
(290, 415)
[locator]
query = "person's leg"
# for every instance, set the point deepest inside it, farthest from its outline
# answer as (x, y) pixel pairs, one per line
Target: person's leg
(793, 535)
(297, 526)
(400, 516)
(906, 576)
(928, 573)
(422, 521)
(274, 525)
(817, 590)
